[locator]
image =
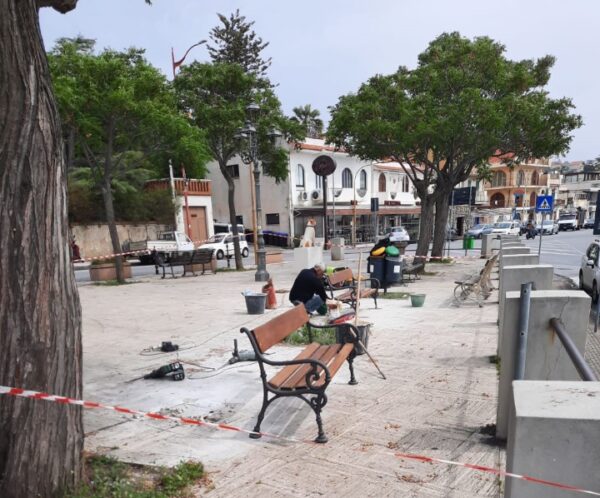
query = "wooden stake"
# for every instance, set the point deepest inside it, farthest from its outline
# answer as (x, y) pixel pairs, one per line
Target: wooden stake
(358, 281)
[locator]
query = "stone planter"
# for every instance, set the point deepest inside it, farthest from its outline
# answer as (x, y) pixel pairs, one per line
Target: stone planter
(274, 257)
(107, 271)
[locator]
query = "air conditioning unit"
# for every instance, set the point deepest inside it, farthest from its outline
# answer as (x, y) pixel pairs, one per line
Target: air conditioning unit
(303, 196)
(316, 195)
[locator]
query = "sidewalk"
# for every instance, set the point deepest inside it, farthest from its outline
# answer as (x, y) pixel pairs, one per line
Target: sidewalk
(441, 389)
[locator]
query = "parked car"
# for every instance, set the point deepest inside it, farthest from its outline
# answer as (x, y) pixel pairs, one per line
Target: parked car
(547, 227)
(506, 228)
(487, 230)
(222, 243)
(568, 222)
(165, 244)
(588, 223)
(589, 273)
(397, 234)
(477, 230)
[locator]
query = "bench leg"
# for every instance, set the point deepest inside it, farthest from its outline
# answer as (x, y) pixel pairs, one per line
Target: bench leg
(375, 299)
(317, 403)
(261, 415)
(353, 380)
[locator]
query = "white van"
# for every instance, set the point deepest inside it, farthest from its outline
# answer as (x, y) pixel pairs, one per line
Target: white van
(226, 228)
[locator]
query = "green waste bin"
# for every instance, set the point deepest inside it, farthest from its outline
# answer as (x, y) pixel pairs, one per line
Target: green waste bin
(469, 243)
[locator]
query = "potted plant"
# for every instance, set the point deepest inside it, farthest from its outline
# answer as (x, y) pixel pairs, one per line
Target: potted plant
(104, 269)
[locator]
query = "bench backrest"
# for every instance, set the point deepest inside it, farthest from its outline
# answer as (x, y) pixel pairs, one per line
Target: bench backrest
(340, 277)
(202, 256)
(277, 329)
(180, 258)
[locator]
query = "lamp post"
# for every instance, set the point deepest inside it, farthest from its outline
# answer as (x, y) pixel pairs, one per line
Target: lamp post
(248, 137)
(175, 64)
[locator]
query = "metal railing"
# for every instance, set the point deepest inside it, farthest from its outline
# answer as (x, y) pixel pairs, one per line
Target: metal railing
(579, 362)
(584, 370)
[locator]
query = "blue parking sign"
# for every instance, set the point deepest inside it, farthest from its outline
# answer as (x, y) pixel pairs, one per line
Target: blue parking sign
(544, 203)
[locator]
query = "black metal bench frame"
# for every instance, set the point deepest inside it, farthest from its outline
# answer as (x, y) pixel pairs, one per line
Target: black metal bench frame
(352, 286)
(184, 258)
(313, 395)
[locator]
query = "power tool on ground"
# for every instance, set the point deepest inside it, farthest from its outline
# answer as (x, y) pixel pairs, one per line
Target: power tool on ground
(244, 355)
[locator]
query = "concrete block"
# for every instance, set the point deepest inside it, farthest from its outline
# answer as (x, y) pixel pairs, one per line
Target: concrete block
(307, 257)
(514, 276)
(554, 435)
(546, 358)
(518, 259)
(507, 250)
(486, 245)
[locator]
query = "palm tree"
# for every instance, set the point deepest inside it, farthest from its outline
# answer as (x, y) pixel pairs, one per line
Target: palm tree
(309, 118)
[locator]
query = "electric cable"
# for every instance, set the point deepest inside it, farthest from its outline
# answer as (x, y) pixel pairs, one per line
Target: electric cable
(218, 371)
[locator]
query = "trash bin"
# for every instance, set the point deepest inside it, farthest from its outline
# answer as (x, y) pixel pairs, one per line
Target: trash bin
(255, 302)
(393, 270)
(377, 269)
(364, 330)
(469, 242)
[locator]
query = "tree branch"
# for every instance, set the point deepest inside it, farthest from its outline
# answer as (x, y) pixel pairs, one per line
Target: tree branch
(62, 6)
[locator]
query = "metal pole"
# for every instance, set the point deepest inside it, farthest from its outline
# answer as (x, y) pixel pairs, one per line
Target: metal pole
(254, 233)
(577, 358)
(524, 307)
(541, 235)
(172, 183)
(325, 223)
(261, 274)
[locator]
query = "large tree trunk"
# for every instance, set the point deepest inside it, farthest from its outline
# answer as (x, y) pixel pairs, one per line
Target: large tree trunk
(40, 317)
(109, 210)
(442, 207)
(239, 265)
(425, 222)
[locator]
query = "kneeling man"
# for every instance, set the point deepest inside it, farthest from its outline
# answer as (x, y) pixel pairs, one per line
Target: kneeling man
(308, 288)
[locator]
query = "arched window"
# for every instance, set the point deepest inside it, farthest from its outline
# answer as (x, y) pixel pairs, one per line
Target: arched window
(405, 185)
(300, 176)
(499, 179)
(497, 200)
(382, 183)
(363, 180)
(532, 198)
(521, 178)
(535, 178)
(346, 178)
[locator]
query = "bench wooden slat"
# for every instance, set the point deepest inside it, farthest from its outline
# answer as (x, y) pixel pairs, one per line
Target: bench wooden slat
(280, 327)
(283, 375)
(340, 277)
(337, 362)
(298, 373)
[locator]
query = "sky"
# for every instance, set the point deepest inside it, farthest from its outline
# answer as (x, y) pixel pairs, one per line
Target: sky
(322, 49)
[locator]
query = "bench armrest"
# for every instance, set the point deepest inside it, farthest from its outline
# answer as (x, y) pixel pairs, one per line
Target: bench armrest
(373, 282)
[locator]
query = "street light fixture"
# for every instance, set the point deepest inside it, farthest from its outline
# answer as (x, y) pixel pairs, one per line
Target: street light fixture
(175, 64)
(248, 138)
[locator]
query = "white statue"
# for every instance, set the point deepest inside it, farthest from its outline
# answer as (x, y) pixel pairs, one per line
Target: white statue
(308, 239)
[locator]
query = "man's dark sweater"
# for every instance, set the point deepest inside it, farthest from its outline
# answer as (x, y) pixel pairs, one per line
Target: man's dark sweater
(306, 285)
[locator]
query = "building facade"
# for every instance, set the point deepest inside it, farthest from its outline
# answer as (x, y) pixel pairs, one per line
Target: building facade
(579, 191)
(288, 205)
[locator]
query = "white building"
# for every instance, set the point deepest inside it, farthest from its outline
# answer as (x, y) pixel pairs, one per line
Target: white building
(287, 205)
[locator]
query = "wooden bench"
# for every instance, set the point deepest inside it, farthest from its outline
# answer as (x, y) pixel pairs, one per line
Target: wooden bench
(306, 376)
(185, 259)
(413, 269)
(200, 257)
(344, 280)
(476, 287)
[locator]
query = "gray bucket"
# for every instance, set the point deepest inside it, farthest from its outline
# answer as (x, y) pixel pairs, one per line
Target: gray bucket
(255, 303)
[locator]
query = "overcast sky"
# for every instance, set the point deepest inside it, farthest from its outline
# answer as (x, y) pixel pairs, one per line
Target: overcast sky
(326, 48)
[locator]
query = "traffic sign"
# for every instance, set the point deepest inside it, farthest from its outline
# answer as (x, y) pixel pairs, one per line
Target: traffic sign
(544, 203)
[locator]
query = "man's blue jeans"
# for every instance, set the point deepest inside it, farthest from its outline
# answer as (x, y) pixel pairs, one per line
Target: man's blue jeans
(313, 304)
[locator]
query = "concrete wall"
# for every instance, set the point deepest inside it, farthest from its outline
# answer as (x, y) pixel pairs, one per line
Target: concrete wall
(554, 435)
(518, 259)
(514, 249)
(514, 276)
(94, 240)
(546, 358)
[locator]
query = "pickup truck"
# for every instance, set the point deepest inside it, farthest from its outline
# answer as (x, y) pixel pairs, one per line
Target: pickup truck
(166, 243)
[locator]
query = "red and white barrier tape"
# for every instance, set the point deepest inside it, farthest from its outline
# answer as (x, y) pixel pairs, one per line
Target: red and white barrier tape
(23, 393)
(109, 256)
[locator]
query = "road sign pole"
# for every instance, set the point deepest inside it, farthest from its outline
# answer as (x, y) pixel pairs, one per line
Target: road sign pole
(541, 235)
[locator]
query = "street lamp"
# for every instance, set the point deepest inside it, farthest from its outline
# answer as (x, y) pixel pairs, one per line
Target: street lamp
(248, 138)
(175, 64)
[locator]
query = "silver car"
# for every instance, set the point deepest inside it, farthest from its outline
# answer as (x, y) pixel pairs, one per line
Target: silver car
(550, 227)
(477, 230)
(589, 273)
(397, 234)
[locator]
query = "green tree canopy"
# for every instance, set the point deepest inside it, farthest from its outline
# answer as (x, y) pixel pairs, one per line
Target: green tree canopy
(123, 115)
(464, 103)
(309, 119)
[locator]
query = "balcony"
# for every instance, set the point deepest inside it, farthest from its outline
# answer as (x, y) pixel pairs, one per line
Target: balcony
(194, 187)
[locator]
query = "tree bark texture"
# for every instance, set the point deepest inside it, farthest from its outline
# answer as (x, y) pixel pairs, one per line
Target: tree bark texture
(40, 316)
(425, 223)
(442, 207)
(239, 265)
(109, 210)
